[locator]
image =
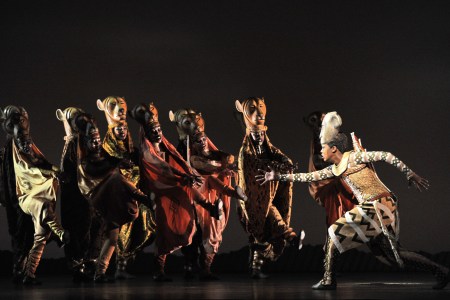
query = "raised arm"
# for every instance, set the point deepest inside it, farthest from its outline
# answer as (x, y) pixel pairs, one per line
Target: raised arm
(296, 177)
(362, 157)
(207, 165)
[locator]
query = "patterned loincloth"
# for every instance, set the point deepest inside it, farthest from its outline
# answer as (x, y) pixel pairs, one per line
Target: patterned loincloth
(365, 222)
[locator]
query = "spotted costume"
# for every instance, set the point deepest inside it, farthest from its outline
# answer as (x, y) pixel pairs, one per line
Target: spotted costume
(266, 215)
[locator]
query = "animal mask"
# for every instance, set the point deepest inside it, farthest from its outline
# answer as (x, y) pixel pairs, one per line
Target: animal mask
(15, 120)
(67, 116)
(143, 115)
(188, 122)
(254, 112)
(115, 109)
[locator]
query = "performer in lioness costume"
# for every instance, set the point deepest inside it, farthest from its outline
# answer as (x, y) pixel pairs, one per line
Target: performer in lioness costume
(36, 188)
(266, 215)
(166, 173)
(20, 225)
(110, 192)
(135, 235)
(216, 168)
(77, 214)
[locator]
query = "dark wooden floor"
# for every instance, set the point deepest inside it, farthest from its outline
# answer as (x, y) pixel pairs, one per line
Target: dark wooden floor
(235, 286)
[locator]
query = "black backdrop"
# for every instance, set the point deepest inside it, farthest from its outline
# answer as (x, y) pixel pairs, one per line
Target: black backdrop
(383, 65)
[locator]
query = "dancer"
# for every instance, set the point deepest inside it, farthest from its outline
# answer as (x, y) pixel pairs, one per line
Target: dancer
(267, 213)
(77, 214)
(216, 168)
(36, 188)
(330, 193)
(20, 225)
(135, 235)
(167, 174)
(374, 221)
(110, 192)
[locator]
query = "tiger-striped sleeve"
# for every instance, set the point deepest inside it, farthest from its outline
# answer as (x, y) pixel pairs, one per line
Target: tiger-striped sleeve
(308, 177)
(362, 157)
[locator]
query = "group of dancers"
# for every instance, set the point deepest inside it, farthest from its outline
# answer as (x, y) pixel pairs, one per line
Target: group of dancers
(118, 198)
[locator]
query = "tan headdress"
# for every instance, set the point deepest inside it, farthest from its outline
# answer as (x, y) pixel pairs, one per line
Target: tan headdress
(115, 108)
(253, 110)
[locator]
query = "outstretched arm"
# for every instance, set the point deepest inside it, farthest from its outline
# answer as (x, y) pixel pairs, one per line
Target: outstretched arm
(300, 177)
(373, 156)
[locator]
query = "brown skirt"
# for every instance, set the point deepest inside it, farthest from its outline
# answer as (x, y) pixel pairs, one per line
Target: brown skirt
(113, 199)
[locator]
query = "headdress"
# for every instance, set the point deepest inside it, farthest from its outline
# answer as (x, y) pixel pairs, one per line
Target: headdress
(331, 124)
(115, 108)
(84, 124)
(145, 115)
(67, 116)
(187, 114)
(9, 117)
(253, 110)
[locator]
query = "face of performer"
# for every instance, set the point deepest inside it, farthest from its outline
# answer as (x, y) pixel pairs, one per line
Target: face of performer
(94, 143)
(200, 143)
(258, 137)
(329, 153)
(155, 134)
(24, 143)
(121, 132)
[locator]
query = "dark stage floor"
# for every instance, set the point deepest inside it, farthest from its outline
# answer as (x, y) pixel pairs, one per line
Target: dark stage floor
(235, 286)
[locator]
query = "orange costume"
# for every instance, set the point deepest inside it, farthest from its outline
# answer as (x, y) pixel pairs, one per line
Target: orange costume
(174, 214)
(165, 173)
(213, 165)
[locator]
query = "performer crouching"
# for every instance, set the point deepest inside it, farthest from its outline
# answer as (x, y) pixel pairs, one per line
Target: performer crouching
(374, 221)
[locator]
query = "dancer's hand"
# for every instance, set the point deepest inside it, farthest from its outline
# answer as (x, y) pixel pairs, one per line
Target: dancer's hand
(126, 164)
(192, 180)
(267, 176)
(419, 182)
(197, 181)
